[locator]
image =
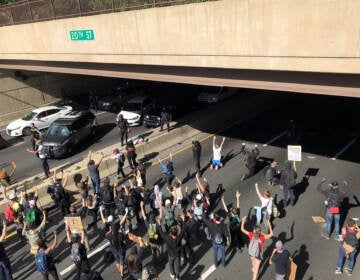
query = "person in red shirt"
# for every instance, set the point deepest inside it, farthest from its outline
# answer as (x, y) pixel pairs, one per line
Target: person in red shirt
(256, 243)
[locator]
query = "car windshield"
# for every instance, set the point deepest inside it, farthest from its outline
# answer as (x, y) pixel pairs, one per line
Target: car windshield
(58, 130)
(29, 116)
(132, 107)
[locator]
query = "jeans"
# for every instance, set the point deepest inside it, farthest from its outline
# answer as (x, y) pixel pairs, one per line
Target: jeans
(95, 184)
(123, 136)
(174, 263)
(120, 169)
(329, 219)
(45, 166)
(52, 272)
(288, 192)
(216, 248)
(341, 257)
(5, 270)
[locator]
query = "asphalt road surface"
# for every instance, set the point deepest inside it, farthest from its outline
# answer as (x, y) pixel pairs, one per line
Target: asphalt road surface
(331, 150)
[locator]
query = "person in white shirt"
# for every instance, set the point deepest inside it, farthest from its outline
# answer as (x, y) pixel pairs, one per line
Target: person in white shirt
(266, 206)
(216, 161)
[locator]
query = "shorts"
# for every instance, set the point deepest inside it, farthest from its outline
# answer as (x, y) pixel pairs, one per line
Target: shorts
(216, 162)
(179, 201)
(119, 258)
(84, 195)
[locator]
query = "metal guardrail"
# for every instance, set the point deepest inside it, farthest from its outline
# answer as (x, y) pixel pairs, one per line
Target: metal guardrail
(40, 10)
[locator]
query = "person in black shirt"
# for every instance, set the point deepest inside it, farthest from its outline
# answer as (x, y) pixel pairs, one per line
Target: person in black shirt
(124, 129)
(165, 119)
(131, 154)
(35, 135)
(173, 242)
(220, 237)
(250, 157)
(196, 150)
(281, 258)
(5, 268)
(78, 250)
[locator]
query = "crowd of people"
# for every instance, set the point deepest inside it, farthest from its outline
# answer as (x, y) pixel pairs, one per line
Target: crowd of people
(178, 218)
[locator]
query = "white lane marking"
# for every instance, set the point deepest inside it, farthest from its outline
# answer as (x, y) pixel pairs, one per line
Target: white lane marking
(275, 138)
(71, 267)
(100, 113)
(206, 274)
(344, 149)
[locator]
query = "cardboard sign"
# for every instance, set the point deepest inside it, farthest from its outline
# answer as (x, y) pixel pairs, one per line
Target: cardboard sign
(137, 239)
(74, 223)
(294, 153)
(292, 268)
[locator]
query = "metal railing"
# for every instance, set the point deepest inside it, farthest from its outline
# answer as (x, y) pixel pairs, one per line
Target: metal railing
(40, 10)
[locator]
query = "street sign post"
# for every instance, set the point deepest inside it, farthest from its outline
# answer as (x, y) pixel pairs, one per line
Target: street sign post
(82, 35)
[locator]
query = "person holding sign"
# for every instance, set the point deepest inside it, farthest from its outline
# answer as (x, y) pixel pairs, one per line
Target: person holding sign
(287, 181)
(280, 257)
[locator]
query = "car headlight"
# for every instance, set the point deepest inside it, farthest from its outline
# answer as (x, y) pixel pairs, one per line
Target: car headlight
(106, 104)
(215, 99)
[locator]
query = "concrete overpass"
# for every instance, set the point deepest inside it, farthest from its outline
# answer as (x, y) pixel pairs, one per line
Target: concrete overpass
(310, 46)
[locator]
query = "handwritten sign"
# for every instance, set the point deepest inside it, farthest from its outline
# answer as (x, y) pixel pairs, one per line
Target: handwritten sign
(294, 153)
(74, 223)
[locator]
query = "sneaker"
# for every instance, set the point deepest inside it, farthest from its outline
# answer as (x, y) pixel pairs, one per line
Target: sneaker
(338, 271)
(337, 238)
(172, 276)
(348, 271)
(216, 167)
(325, 236)
(211, 167)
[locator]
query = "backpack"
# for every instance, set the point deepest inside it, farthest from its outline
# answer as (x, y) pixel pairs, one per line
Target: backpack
(333, 199)
(76, 254)
(108, 256)
(268, 173)
(30, 216)
(9, 213)
(234, 222)
(170, 219)
(152, 233)
(289, 177)
(108, 195)
(254, 248)
(122, 157)
(218, 239)
(41, 261)
(170, 167)
(198, 212)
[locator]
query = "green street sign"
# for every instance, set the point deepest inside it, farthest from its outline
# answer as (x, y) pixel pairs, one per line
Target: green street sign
(82, 35)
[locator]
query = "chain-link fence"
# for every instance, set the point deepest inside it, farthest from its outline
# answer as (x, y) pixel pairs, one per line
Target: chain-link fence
(40, 10)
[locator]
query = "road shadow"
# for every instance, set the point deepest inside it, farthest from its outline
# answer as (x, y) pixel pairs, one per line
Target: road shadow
(148, 157)
(300, 188)
(301, 259)
(346, 206)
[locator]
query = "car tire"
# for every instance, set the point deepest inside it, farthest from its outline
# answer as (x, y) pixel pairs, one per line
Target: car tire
(69, 151)
(26, 131)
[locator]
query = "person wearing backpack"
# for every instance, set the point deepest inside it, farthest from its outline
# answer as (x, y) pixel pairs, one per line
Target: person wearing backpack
(62, 197)
(234, 220)
(287, 182)
(32, 232)
(14, 212)
(44, 261)
(349, 248)
(271, 173)
(333, 201)
(173, 242)
(220, 236)
(33, 215)
(134, 261)
(256, 244)
(5, 267)
(78, 250)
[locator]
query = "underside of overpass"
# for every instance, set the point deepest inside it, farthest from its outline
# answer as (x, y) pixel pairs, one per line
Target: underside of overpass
(338, 84)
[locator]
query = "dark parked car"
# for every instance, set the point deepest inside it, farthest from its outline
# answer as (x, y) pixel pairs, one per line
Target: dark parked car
(115, 101)
(153, 117)
(68, 132)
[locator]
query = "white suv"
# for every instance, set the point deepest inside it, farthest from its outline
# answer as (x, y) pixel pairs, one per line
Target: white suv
(41, 117)
(135, 109)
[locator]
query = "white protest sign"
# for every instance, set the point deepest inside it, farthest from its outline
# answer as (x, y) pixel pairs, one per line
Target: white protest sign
(294, 153)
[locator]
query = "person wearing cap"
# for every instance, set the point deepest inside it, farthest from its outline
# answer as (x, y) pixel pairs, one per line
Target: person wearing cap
(35, 213)
(153, 197)
(119, 157)
(349, 248)
(250, 159)
(42, 156)
(94, 172)
(280, 257)
(220, 236)
(333, 201)
(287, 182)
